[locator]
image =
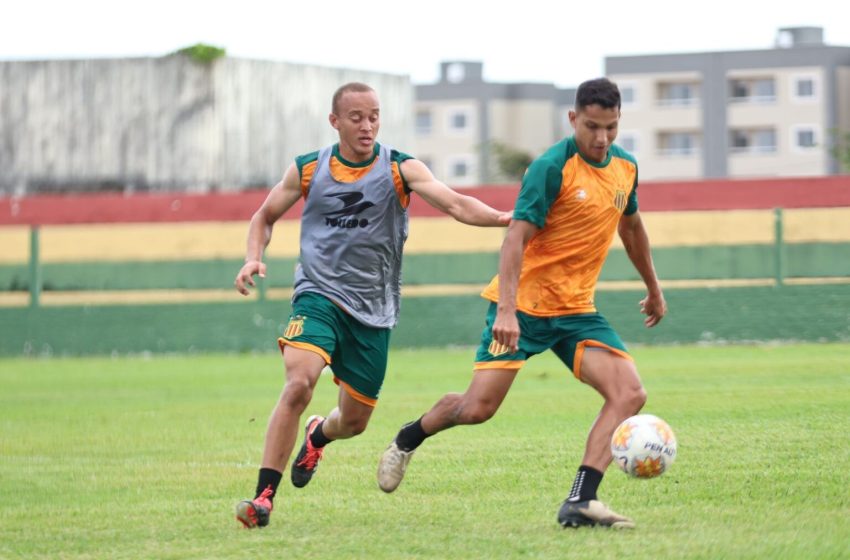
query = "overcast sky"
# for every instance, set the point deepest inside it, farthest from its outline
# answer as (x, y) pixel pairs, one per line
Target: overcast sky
(518, 41)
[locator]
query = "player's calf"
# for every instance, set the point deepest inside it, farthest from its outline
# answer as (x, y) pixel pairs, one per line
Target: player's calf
(307, 461)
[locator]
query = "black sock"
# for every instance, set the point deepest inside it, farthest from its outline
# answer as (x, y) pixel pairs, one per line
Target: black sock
(268, 477)
(318, 437)
(411, 436)
(585, 485)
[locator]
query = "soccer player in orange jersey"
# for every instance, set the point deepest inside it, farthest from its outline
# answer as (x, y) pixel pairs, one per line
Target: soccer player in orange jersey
(573, 199)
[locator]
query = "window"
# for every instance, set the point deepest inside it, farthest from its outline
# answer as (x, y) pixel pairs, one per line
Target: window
(740, 140)
(759, 140)
(764, 140)
(423, 123)
(627, 94)
(677, 143)
(752, 90)
(627, 141)
(678, 93)
(460, 168)
(804, 137)
(739, 89)
(764, 89)
(804, 88)
(459, 120)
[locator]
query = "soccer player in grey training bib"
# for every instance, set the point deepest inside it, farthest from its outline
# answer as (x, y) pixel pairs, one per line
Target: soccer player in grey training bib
(347, 283)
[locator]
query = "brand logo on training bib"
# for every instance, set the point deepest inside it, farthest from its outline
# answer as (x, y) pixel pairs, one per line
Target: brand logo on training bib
(345, 217)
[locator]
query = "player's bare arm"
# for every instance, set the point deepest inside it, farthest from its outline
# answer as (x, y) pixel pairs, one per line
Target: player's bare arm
(506, 326)
(280, 199)
(465, 209)
(636, 241)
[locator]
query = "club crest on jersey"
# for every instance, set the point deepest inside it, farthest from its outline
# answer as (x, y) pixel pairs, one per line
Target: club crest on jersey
(496, 349)
(346, 217)
(295, 327)
(620, 200)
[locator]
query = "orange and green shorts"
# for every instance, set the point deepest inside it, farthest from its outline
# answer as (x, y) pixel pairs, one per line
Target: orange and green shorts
(356, 353)
(567, 336)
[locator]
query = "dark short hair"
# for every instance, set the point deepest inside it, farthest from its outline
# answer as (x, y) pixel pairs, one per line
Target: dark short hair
(599, 91)
(355, 87)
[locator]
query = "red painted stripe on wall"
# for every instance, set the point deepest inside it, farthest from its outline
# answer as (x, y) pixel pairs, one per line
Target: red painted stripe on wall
(806, 192)
(746, 194)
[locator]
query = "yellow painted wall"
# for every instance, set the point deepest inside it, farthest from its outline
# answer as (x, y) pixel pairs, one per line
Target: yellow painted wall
(226, 240)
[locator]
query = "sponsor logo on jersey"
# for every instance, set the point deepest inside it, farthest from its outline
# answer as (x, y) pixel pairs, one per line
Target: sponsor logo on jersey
(346, 217)
(620, 200)
(496, 349)
(581, 194)
(295, 327)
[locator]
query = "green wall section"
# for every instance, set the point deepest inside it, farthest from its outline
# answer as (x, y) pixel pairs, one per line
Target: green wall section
(804, 313)
(673, 263)
(716, 262)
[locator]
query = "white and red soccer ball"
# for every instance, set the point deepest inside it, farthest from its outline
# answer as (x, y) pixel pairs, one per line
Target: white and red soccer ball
(643, 446)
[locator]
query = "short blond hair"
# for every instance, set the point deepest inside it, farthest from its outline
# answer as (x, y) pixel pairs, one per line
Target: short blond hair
(354, 87)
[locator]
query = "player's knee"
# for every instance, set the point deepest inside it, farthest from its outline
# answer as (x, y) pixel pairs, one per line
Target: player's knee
(297, 394)
(478, 412)
(354, 426)
(636, 399)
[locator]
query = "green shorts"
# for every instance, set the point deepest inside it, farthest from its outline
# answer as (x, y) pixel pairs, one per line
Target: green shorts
(567, 336)
(356, 353)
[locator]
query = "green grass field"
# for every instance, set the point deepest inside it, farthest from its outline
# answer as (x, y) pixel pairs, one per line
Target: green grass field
(146, 458)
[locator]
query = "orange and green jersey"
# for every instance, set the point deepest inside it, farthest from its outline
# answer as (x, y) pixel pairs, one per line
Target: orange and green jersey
(348, 172)
(577, 204)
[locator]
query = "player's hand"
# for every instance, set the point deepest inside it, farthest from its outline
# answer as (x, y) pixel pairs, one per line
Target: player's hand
(654, 307)
(506, 330)
(505, 218)
(246, 274)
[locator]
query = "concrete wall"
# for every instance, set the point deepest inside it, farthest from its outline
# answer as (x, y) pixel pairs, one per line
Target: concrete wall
(170, 123)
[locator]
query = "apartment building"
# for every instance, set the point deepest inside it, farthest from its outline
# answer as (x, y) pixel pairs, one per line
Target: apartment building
(762, 113)
(461, 121)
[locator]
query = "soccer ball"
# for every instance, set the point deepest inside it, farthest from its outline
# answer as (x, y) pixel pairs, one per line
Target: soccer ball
(643, 446)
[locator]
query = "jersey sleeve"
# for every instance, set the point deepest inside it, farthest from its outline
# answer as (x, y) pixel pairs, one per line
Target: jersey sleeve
(306, 165)
(632, 204)
(540, 187)
(397, 158)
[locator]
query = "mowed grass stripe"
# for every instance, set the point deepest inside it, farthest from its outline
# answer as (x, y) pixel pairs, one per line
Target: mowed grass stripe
(146, 457)
(225, 240)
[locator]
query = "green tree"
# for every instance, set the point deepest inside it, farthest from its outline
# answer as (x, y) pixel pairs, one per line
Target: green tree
(841, 149)
(203, 53)
(511, 162)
